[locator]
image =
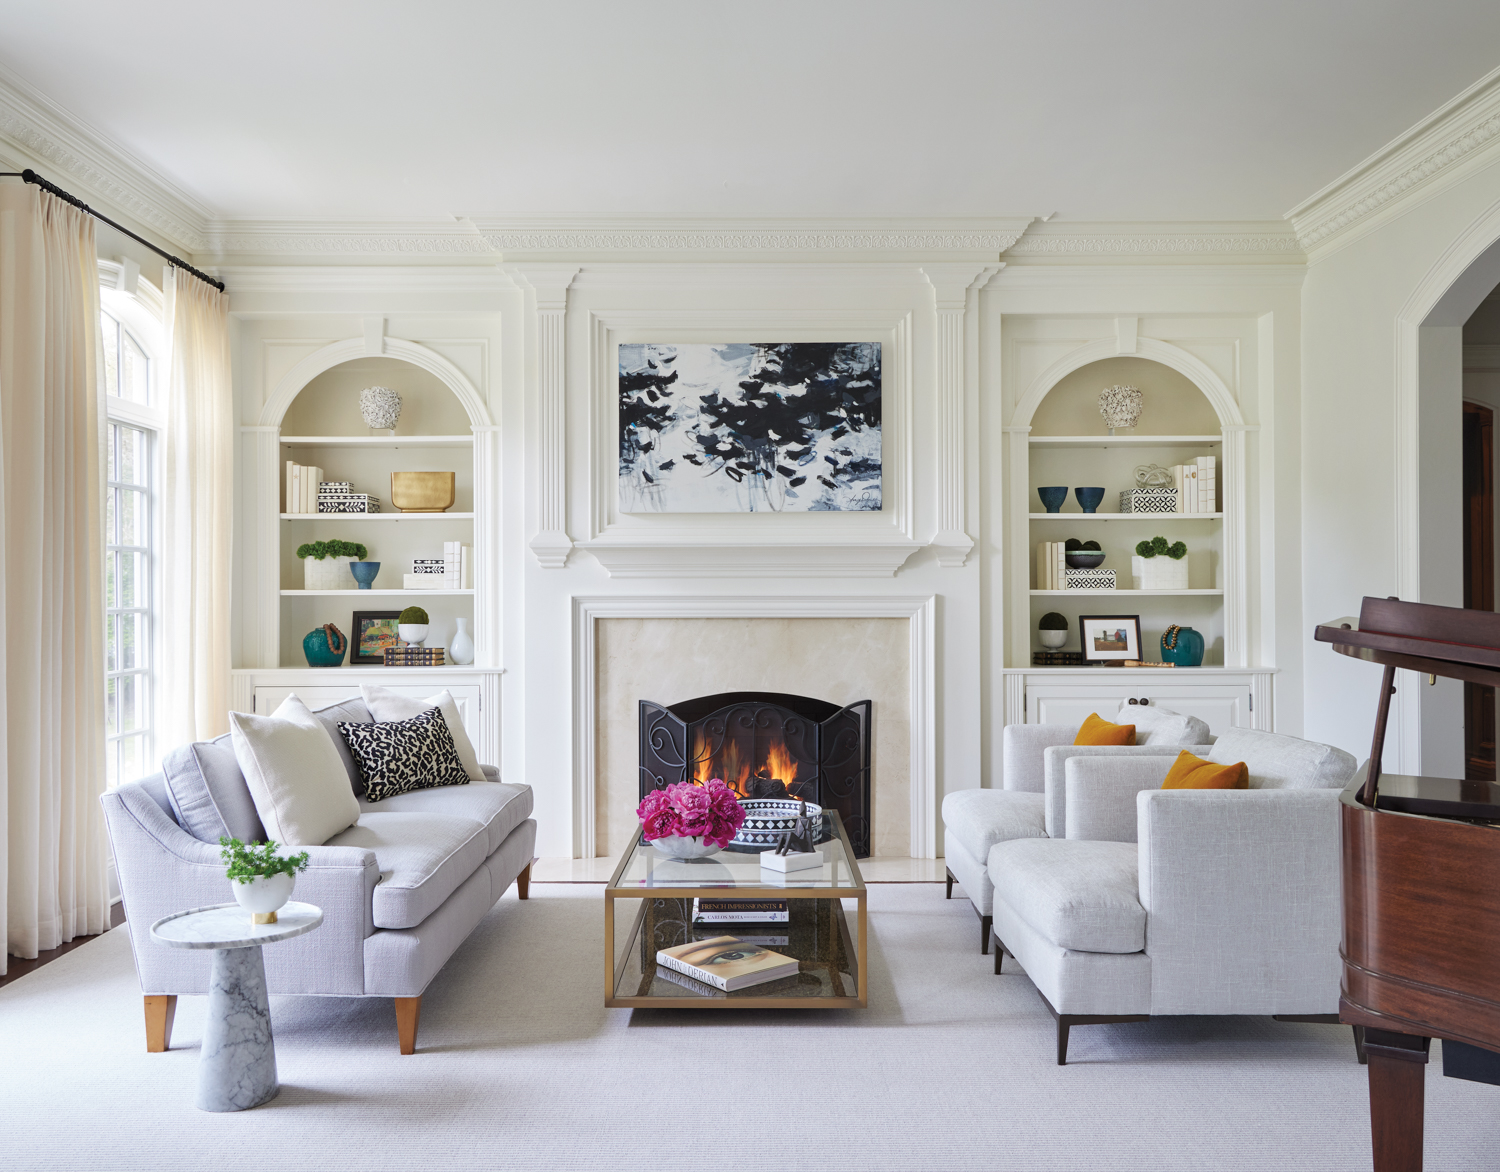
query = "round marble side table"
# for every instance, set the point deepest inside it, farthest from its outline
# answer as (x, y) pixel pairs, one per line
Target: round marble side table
(238, 1067)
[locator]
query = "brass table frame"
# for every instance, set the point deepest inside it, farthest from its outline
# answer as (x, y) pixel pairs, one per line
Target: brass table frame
(614, 966)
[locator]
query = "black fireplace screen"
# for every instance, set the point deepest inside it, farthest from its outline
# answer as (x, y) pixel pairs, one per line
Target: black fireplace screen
(765, 744)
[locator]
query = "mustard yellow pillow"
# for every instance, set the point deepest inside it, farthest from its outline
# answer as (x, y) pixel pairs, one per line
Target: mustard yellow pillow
(1189, 772)
(1098, 731)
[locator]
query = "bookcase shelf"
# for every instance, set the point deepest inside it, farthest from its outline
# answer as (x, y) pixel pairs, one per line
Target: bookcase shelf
(377, 441)
(1128, 593)
(321, 517)
(1125, 441)
(1126, 516)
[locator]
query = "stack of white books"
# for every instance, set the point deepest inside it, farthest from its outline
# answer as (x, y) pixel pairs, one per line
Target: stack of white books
(302, 482)
(1197, 485)
(1051, 565)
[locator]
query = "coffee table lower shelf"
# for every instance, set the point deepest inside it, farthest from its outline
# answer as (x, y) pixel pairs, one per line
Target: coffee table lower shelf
(832, 961)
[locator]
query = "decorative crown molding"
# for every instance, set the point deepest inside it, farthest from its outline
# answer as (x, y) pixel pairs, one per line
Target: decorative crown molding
(344, 238)
(74, 155)
(1161, 240)
(1436, 151)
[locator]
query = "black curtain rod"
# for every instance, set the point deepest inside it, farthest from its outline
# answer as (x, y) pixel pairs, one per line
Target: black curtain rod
(30, 176)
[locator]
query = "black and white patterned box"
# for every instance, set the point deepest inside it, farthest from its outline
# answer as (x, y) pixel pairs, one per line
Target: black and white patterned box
(1089, 579)
(1149, 500)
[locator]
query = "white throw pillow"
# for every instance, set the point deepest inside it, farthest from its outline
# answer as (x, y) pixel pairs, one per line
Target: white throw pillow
(295, 774)
(385, 704)
(1155, 725)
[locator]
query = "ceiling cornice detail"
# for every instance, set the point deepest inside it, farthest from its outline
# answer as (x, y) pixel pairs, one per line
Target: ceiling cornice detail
(334, 238)
(761, 236)
(1434, 152)
(80, 159)
(1163, 242)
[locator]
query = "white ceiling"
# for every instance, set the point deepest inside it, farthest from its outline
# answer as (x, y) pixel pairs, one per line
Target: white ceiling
(1095, 110)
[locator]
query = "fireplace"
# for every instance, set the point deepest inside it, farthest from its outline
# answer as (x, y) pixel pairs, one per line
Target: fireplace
(764, 744)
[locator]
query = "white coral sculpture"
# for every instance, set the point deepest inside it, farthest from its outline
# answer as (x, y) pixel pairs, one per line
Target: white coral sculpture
(380, 406)
(1120, 406)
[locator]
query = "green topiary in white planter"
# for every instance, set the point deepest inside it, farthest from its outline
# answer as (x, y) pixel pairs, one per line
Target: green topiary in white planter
(325, 564)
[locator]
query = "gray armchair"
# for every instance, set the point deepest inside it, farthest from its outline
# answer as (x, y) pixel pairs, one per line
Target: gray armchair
(1182, 901)
(1031, 803)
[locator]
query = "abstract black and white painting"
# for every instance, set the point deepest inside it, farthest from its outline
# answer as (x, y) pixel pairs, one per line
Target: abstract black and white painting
(750, 427)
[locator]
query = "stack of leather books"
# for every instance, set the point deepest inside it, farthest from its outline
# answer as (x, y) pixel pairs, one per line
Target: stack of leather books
(414, 657)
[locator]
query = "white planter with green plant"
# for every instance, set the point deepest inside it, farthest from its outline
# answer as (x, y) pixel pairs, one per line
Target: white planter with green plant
(412, 625)
(1160, 566)
(261, 878)
(325, 564)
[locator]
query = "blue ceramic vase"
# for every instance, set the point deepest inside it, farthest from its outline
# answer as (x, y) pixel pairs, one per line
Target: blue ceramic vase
(318, 646)
(1089, 498)
(1188, 651)
(1052, 498)
(364, 573)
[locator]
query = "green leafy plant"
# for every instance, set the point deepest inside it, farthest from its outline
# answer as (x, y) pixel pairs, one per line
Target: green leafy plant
(1052, 621)
(413, 614)
(333, 549)
(1158, 545)
(258, 860)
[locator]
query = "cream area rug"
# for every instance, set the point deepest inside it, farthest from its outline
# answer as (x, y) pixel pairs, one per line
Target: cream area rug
(520, 1066)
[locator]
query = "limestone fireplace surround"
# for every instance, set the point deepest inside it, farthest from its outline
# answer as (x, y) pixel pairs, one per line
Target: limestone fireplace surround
(837, 648)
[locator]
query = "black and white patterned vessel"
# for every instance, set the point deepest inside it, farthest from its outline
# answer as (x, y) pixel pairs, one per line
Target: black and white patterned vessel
(767, 819)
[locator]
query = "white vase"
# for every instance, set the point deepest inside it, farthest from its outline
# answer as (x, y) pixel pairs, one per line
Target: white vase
(1160, 572)
(264, 895)
(461, 648)
(677, 846)
(328, 574)
(412, 633)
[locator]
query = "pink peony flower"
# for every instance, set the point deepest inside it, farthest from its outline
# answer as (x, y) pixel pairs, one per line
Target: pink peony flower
(711, 811)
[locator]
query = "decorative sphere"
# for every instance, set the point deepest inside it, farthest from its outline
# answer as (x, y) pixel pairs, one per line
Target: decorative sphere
(380, 406)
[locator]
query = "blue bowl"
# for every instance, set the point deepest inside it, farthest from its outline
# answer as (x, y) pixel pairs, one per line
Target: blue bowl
(364, 573)
(1052, 498)
(1089, 498)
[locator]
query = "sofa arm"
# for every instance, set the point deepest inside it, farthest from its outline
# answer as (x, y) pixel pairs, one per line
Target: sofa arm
(1242, 896)
(1024, 745)
(1101, 794)
(1055, 761)
(163, 869)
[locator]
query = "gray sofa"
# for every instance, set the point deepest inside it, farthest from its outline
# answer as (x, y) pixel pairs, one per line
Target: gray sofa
(1182, 901)
(400, 890)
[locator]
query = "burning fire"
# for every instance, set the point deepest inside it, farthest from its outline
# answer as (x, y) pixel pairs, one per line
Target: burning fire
(778, 764)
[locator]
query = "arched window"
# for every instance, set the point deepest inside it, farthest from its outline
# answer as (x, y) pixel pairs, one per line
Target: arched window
(130, 337)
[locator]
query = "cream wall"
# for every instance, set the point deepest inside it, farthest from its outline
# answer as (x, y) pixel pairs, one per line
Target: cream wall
(1356, 434)
(670, 660)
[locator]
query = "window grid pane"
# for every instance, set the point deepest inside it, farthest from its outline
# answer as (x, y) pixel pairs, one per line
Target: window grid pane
(128, 561)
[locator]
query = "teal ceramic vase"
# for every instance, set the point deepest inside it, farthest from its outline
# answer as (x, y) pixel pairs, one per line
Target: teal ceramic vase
(1182, 646)
(325, 647)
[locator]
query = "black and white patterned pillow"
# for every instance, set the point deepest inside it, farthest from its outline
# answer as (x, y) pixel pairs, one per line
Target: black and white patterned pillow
(398, 756)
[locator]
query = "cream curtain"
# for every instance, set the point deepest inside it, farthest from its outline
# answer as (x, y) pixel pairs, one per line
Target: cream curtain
(198, 505)
(54, 877)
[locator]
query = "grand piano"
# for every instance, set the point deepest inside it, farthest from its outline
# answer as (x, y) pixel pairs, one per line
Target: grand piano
(1421, 872)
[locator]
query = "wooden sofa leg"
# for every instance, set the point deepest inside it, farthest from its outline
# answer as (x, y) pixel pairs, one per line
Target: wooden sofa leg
(160, 1013)
(1062, 1039)
(984, 934)
(523, 882)
(950, 886)
(408, 1012)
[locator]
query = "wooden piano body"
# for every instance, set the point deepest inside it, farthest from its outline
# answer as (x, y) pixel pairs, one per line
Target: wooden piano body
(1421, 874)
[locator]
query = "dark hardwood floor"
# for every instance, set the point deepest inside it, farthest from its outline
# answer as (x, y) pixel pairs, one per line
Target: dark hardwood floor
(19, 968)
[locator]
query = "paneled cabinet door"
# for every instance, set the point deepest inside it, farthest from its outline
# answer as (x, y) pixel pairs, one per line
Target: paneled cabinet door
(1221, 706)
(466, 696)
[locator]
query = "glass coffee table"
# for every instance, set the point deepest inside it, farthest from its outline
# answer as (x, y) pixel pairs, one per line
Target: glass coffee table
(833, 972)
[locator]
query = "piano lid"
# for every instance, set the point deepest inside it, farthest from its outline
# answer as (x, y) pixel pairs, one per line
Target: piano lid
(1436, 640)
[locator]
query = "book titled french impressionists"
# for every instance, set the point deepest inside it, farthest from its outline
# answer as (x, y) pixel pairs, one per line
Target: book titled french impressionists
(740, 911)
(727, 962)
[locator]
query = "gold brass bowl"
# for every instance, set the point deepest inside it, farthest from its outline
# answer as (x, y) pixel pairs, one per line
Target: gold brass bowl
(422, 492)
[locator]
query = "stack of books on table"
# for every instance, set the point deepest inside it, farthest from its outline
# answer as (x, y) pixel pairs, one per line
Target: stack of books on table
(727, 962)
(338, 496)
(302, 482)
(740, 911)
(414, 657)
(450, 572)
(1197, 485)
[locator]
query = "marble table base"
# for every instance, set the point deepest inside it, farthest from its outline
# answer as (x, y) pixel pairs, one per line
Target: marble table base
(237, 1069)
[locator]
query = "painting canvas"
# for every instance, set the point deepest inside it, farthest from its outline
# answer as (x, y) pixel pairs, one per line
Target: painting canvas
(750, 427)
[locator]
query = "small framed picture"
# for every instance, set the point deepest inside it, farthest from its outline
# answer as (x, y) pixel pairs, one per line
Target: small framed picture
(1110, 638)
(374, 631)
